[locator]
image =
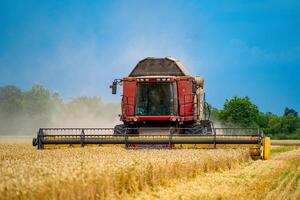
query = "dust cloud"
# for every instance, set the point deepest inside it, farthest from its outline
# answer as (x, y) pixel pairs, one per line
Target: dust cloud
(83, 112)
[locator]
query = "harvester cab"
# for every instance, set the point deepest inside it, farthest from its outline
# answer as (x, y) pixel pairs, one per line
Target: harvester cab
(162, 106)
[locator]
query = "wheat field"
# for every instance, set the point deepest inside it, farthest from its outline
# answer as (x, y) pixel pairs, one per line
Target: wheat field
(117, 173)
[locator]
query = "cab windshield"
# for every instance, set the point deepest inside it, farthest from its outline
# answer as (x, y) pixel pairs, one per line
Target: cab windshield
(154, 99)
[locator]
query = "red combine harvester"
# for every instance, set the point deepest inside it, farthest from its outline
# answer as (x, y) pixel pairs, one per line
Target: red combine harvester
(162, 106)
(160, 93)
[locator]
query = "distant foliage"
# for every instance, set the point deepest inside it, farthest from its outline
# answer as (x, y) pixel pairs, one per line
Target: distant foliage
(10, 100)
(23, 112)
(285, 127)
(290, 111)
(240, 111)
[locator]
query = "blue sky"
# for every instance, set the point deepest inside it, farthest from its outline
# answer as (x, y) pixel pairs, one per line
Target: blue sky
(245, 48)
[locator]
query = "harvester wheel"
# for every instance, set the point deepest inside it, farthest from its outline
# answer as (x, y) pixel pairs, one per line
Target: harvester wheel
(34, 142)
(207, 126)
(193, 129)
(120, 129)
(204, 127)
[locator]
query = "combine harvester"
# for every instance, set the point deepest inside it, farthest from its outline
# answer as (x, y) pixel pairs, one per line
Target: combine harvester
(162, 107)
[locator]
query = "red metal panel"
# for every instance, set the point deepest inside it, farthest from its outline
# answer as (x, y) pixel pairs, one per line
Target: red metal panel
(154, 118)
(185, 95)
(128, 100)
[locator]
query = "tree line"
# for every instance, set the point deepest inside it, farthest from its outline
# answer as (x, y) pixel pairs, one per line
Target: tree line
(23, 112)
(240, 111)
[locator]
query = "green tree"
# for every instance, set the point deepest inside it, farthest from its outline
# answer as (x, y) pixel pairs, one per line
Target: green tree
(10, 100)
(239, 111)
(283, 126)
(289, 123)
(37, 100)
(56, 103)
(263, 121)
(290, 111)
(275, 125)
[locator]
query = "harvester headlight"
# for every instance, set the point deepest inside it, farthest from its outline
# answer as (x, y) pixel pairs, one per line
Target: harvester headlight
(163, 79)
(158, 79)
(147, 79)
(142, 80)
(168, 79)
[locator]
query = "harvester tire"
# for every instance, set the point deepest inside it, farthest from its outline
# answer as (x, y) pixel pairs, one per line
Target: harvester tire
(207, 126)
(34, 142)
(193, 129)
(204, 127)
(120, 129)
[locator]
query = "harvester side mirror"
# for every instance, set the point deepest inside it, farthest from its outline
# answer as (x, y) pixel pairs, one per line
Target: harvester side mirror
(114, 87)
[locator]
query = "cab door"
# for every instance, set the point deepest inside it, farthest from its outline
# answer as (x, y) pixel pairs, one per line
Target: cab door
(128, 99)
(185, 95)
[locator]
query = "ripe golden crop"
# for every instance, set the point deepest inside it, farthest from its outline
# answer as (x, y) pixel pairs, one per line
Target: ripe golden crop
(277, 178)
(102, 173)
